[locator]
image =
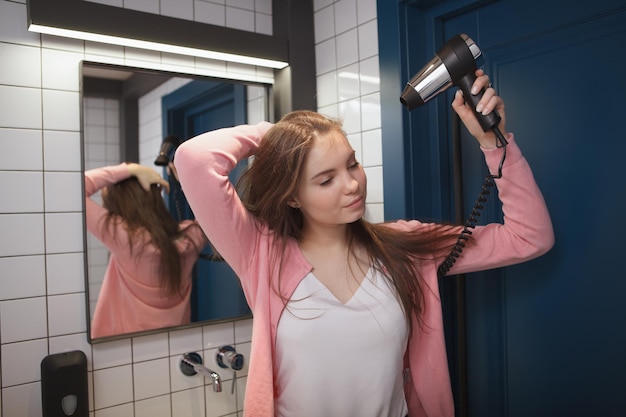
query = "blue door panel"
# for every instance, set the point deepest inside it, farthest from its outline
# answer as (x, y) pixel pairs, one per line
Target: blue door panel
(196, 108)
(546, 337)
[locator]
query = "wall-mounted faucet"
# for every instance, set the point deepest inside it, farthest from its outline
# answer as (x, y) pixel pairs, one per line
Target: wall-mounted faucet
(191, 364)
(227, 357)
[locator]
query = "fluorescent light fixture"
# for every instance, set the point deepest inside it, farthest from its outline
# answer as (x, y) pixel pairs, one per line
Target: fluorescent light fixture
(91, 21)
(156, 46)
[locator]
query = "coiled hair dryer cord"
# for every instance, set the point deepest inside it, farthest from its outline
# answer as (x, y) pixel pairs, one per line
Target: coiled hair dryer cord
(472, 220)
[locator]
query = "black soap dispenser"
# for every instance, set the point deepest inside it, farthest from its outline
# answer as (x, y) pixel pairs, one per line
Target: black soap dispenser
(64, 387)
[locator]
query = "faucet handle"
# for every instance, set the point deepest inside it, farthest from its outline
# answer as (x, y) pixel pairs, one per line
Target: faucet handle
(189, 362)
(227, 357)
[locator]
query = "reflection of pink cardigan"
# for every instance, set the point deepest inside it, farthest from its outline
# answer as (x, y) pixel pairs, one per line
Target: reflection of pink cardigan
(130, 299)
(203, 165)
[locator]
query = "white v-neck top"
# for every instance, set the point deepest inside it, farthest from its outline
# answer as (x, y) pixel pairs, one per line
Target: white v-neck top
(336, 359)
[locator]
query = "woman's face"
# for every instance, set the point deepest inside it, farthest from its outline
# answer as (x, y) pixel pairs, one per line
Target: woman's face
(333, 186)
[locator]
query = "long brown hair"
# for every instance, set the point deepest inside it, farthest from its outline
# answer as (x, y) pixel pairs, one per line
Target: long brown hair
(140, 210)
(273, 178)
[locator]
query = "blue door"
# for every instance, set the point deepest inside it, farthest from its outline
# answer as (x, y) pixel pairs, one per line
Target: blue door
(547, 337)
(198, 107)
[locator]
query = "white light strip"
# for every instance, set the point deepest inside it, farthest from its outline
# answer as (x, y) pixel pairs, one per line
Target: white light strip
(162, 47)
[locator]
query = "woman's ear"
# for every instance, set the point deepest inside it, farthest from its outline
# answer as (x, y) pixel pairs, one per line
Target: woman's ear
(293, 203)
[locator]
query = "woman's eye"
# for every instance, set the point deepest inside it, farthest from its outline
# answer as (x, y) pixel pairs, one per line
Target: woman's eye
(326, 181)
(353, 165)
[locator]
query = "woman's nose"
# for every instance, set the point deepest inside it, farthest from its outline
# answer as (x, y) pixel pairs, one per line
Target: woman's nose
(351, 183)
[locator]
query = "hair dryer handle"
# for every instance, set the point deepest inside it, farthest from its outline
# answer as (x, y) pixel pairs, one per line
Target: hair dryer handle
(487, 122)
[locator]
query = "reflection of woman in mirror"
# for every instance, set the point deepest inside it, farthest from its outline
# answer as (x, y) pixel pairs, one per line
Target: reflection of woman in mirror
(347, 317)
(147, 283)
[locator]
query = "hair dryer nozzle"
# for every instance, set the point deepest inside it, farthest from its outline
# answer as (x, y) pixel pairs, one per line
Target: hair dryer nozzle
(169, 145)
(456, 58)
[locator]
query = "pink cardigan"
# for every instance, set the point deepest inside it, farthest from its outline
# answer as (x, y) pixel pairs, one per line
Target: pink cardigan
(131, 299)
(203, 165)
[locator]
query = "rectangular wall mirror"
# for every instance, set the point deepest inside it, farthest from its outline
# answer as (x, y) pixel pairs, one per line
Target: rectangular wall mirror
(127, 113)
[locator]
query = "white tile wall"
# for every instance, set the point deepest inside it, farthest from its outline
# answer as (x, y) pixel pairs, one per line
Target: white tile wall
(42, 309)
(348, 85)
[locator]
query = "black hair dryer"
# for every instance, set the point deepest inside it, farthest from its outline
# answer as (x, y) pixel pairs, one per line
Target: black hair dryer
(454, 64)
(169, 145)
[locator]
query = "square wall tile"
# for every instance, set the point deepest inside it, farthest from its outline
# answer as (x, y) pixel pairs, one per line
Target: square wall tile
(181, 9)
(243, 331)
(13, 101)
(22, 400)
(61, 110)
(263, 6)
(350, 112)
(21, 150)
(60, 69)
(151, 378)
(27, 234)
(22, 276)
(324, 23)
(263, 24)
(21, 192)
(327, 89)
(20, 65)
(374, 184)
(114, 353)
(370, 111)
(189, 402)
(66, 314)
(23, 319)
(154, 407)
(21, 361)
(211, 13)
(348, 82)
(64, 232)
(66, 273)
(62, 151)
(325, 57)
(217, 335)
(347, 48)
(375, 212)
(345, 12)
(239, 19)
(221, 403)
(113, 386)
(64, 191)
(369, 75)
(372, 148)
(368, 39)
(187, 340)
(149, 347)
(366, 10)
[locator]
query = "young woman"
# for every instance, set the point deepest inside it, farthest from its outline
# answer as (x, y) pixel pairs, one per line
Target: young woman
(347, 317)
(147, 282)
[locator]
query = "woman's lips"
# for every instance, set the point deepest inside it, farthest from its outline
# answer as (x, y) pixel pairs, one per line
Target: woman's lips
(357, 202)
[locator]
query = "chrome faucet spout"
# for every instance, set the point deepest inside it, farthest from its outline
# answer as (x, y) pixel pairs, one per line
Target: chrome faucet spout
(217, 382)
(191, 364)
